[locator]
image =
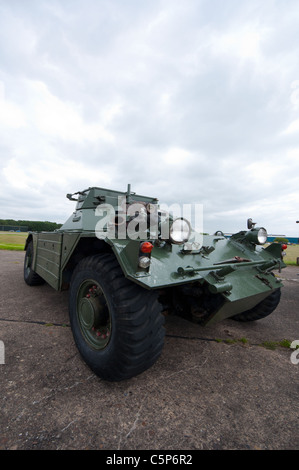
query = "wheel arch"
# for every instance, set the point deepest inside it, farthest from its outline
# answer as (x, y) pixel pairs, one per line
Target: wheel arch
(83, 248)
(28, 240)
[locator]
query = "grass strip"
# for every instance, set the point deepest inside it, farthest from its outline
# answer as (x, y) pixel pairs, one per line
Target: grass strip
(11, 247)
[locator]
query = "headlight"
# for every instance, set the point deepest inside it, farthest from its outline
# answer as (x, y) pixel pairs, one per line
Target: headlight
(262, 236)
(257, 235)
(180, 231)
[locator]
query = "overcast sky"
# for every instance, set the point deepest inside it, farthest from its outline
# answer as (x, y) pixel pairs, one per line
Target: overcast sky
(189, 101)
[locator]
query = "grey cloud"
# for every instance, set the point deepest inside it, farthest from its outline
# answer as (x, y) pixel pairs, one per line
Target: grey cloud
(158, 77)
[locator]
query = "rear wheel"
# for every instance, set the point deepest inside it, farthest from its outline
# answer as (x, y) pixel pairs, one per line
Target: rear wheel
(31, 277)
(261, 310)
(117, 325)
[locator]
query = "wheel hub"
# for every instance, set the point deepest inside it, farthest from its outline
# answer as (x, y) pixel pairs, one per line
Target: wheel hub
(91, 312)
(93, 315)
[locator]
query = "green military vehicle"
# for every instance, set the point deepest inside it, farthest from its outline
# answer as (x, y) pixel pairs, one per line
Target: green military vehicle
(126, 262)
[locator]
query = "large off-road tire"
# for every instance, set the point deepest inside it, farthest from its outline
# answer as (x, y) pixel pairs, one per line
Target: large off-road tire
(261, 310)
(117, 325)
(31, 277)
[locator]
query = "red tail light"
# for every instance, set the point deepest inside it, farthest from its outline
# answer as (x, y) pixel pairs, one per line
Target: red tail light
(284, 246)
(146, 247)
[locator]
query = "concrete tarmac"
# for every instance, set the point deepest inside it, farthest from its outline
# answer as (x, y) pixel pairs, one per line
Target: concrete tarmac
(228, 386)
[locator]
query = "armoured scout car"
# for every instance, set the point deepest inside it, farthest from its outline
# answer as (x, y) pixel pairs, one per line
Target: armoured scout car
(126, 262)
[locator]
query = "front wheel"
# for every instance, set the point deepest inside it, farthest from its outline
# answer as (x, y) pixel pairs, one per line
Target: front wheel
(261, 310)
(117, 325)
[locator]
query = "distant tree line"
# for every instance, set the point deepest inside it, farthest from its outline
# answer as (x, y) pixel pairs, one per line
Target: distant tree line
(28, 225)
(281, 240)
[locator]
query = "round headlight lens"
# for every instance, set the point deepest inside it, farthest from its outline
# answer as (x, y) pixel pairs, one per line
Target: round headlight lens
(262, 236)
(180, 231)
